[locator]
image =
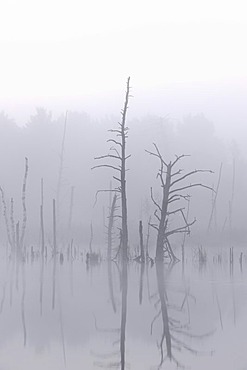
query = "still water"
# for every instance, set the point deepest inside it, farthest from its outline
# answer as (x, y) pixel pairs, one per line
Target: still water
(70, 315)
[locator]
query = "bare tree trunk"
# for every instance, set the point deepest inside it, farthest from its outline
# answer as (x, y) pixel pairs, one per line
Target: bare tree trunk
(163, 216)
(42, 231)
(42, 220)
(42, 259)
(23, 316)
(232, 196)
(71, 208)
(109, 249)
(215, 198)
(147, 240)
(122, 132)
(141, 281)
(42, 246)
(60, 172)
(123, 175)
(91, 238)
(184, 237)
(18, 254)
(6, 218)
(24, 217)
(166, 329)
(12, 225)
(18, 239)
(123, 312)
(54, 255)
(110, 227)
(141, 242)
(168, 178)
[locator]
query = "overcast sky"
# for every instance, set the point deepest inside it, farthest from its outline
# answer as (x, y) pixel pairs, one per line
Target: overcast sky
(77, 51)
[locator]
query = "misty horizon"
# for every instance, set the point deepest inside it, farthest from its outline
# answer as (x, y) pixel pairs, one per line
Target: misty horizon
(123, 173)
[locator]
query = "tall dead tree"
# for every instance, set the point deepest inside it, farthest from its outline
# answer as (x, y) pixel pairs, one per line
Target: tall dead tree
(232, 194)
(118, 153)
(42, 246)
(111, 216)
(6, 218)
(24, 208)
(61, 167)
(54, 254)
(71, 205)
(12, 221)
(110, 227)
(172, 192)
(215, 198)
(42, 220)
(177, 336)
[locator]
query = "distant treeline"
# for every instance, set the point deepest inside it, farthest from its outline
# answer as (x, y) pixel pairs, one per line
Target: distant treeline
(57, 148)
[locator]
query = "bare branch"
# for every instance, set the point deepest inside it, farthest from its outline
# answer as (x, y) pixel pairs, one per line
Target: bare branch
(161, 177)
(190, 186)
(186, 222)
(176, 197)
(189, 174)
(151, 153)
(115, 130)
(175, 211)
(154, 201)
(114, 141)
(116, 178)
(107, 156)
(106, 165)
(177, 173)
(180, 229)
(116, 151)
(178, 157)
(155, 214)
(154, 226)
(158, 155)
(153, 321)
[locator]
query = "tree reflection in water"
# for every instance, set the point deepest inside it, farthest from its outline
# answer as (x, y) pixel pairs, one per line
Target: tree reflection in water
(174, 327)
(122, 331)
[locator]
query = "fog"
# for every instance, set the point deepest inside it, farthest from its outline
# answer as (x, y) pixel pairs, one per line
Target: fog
(123, 170)
(40, 140)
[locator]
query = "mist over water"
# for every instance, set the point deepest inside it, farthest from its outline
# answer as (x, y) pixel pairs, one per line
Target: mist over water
(122, 200)
(204, 307)
(69, 298)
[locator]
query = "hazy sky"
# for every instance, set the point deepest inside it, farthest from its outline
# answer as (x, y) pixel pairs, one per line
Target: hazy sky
(77, 50)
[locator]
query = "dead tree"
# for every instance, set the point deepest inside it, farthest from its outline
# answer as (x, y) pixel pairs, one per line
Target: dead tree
(42, 245)
(110, 227)
(61, 168)
(12, 221)
(24, 208)
(177, 336)
(42, 220)
(11, 229)
(54, 255)
(232, 195)
(6, 218)
(118, 153)
(71, 208)
(141, 257)
(124, 280)
(111, 216)
(215, 198)
(172, 192)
